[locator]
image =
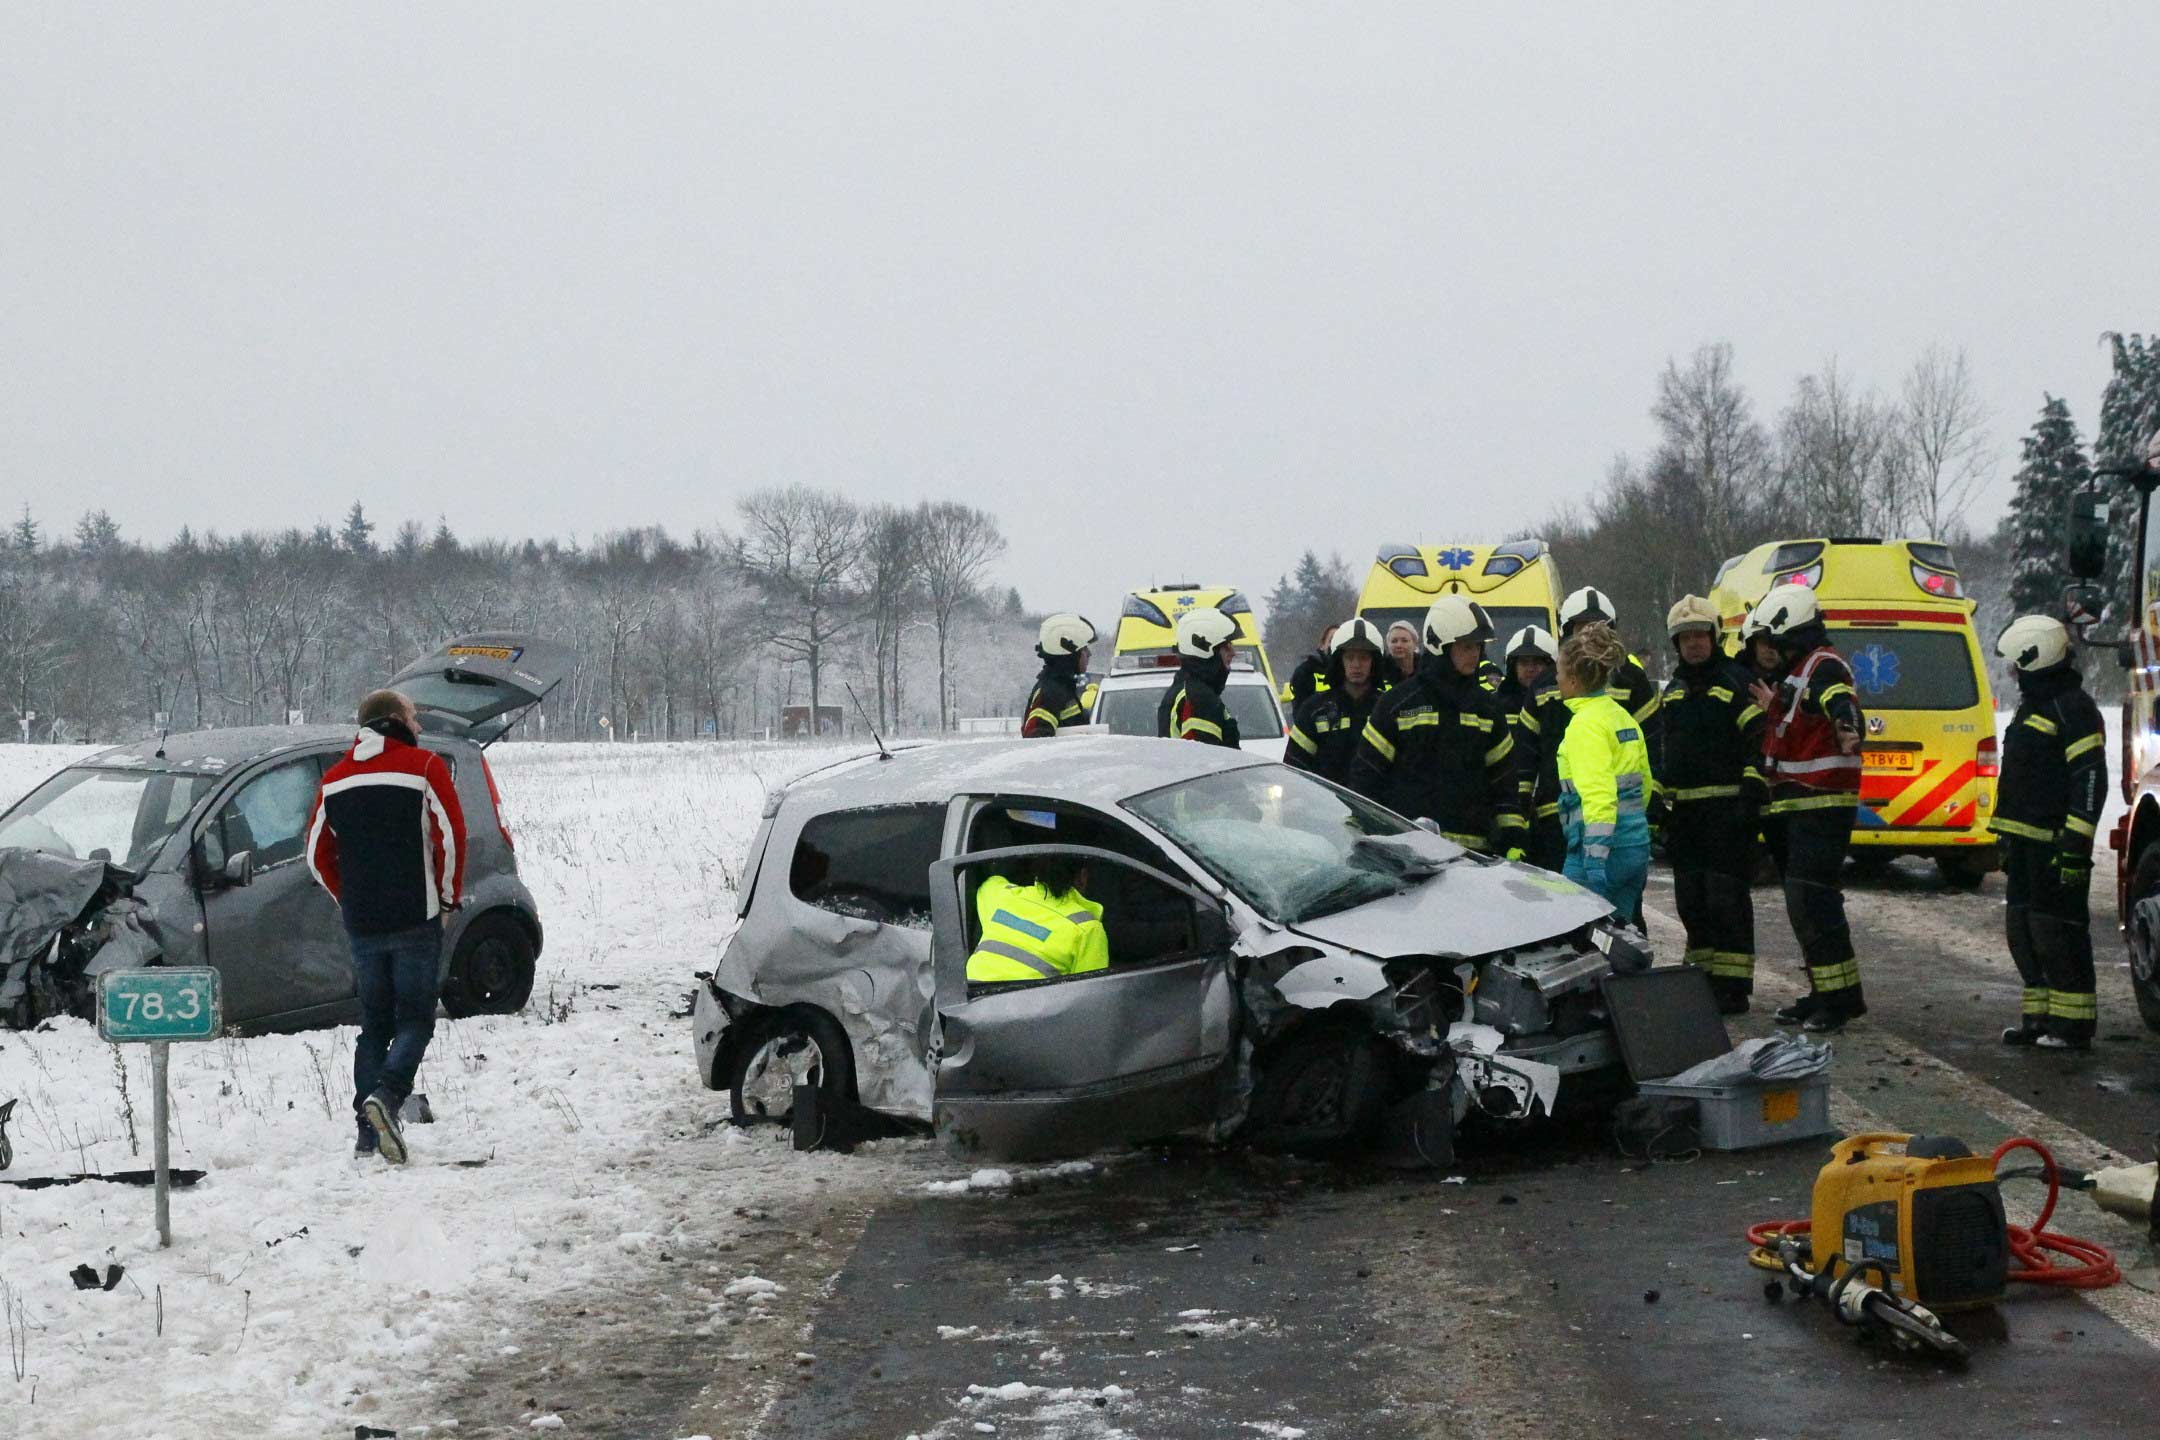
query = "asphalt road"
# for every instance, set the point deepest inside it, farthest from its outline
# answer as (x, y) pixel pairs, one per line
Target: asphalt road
(1549, 1288)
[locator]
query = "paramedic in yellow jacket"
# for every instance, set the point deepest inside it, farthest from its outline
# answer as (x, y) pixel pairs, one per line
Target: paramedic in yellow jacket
(1043, 931)
(1604, 775)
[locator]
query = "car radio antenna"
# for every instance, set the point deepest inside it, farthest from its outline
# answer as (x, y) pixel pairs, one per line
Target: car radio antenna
(882, 752)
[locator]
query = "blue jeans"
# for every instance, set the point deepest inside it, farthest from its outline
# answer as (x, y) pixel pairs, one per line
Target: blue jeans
(396, 977)
(1627, 870)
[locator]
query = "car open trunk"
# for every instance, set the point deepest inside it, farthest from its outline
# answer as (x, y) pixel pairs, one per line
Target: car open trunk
(478, 686)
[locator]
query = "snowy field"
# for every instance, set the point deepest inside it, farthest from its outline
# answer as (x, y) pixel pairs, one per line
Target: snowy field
(305, 1287)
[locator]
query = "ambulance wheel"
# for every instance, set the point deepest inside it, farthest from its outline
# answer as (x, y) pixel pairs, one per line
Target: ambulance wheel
(2143, 934)
(779, 1050)
(1964, 871)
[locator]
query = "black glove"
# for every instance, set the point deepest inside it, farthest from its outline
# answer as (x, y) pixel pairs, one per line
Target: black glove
(2073, 870)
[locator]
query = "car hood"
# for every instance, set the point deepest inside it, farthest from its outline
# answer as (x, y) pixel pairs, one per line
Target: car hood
(1472, 907)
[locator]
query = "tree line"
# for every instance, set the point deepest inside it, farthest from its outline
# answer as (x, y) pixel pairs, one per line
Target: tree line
(807, 598)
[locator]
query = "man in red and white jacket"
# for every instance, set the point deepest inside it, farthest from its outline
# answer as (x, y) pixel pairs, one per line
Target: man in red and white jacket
(387, 840)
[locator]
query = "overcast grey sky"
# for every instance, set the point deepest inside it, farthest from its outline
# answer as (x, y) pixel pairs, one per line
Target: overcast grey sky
(1174, 290)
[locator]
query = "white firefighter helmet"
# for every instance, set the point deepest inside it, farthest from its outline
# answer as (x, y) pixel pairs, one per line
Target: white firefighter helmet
(1201, 629)
(1532, 640)
(1064, 634)
(1691, 612)
(1785, 609)
(1584, 606)
(1451, 618)
(2034, 642)
(1357, 632)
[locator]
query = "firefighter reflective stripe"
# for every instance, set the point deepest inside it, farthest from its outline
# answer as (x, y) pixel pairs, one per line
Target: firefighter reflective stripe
(1380, 742)
(1468, 842)
(1822, 766)
(1748, 716)
(2079, 825)
(2070, 1005)
(1511, 822)
(2036, 1000)
(1475, 722)
(1705, 792)
(1842, 976)
(1038, 713)
(2042, 724)
(1193, 725)
(1304, 742)
(1416, 719)
(2084, 746)
(1649, 707)
(1831, 692)
(1549, 811)
(2018, 828)
(1014, 953)
(1500, 751)
(1722, 964)
(1719, 693)
(1838, 801)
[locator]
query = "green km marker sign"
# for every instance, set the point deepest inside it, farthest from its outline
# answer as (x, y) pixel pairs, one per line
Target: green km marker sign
(160, 1005)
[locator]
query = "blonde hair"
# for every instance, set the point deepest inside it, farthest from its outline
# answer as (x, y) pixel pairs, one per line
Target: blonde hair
(1589, 657)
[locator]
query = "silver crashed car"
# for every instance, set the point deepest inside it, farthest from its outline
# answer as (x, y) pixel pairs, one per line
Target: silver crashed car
(1290, 963)
(201, 836)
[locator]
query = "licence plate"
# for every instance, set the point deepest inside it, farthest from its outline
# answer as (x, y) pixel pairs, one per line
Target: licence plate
(1903, 760)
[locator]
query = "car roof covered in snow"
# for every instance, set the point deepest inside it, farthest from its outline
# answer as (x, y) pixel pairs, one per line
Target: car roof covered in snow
(1095, 770)
(215, 750)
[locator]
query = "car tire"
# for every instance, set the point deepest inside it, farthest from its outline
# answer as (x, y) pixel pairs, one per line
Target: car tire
(1964, 871)
(1322, 1090)
(2144, 937)
(779, 1050)
(492, 971)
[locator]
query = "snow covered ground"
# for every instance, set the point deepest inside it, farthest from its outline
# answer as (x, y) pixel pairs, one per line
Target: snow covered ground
(306, 1288)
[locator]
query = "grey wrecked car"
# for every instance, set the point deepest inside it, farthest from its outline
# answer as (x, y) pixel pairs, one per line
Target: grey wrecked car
(1290, 963)
(188, 850)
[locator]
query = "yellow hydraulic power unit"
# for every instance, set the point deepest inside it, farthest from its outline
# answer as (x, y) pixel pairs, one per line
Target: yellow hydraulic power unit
(1922, 1212)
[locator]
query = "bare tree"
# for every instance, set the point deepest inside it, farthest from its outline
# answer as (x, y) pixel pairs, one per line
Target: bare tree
(958, 544)
(890, 566)
(1715, 455)
(1841, 457)
(802, 549)
(1945, 432)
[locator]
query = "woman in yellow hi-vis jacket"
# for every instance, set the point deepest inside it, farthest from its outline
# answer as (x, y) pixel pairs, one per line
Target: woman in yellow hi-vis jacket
(1043, 931)
(1604, 776)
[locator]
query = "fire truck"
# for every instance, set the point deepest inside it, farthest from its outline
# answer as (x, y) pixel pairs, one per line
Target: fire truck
(2136, 836)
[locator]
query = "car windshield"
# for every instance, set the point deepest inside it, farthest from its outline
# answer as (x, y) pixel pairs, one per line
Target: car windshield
(1130, 709)
(90, 813)
(1290, 846)
(1910, 669)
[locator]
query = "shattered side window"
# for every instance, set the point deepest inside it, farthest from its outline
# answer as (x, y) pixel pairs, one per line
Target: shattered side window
(870, 864)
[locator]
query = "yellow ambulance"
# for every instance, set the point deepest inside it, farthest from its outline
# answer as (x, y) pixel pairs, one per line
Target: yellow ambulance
(1897, 612)
(1517, 583)
(1147, 625)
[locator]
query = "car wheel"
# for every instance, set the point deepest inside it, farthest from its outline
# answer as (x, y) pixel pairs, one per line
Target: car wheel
(2144, 935)
(1321, 1089)
(492, 972)
(780, 1050)
(1964, 871)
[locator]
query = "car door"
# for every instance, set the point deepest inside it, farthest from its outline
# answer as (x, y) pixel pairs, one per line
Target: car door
(478, 686)
(1139, 1051)
(276, 940)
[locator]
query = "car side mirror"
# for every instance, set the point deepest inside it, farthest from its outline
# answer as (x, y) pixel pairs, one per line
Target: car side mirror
(2081, 606)
(1211, 930)
(2086, 535)
(238, 870)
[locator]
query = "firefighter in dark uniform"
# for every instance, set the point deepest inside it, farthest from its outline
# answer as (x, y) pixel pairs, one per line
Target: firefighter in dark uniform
(1192, 708)
(1438, 745)
(1329, 723)
(1714, 791)
(1811, 743)
(1310, 676)
(1057, 699)
(1530, 693)
(1631, 684)
(2047, 811)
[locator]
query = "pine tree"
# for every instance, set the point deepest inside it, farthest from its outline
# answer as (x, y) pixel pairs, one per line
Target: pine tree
(2129, 416)
(95, 532)
(2051, 469)
(358, 536)
(24, 533)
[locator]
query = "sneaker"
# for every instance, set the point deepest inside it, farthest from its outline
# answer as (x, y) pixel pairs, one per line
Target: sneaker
(389, 1139)
(1798, 1012)
(2079, 1043)
(364, 1141)
(2022, 1035)
(1831, 1017)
